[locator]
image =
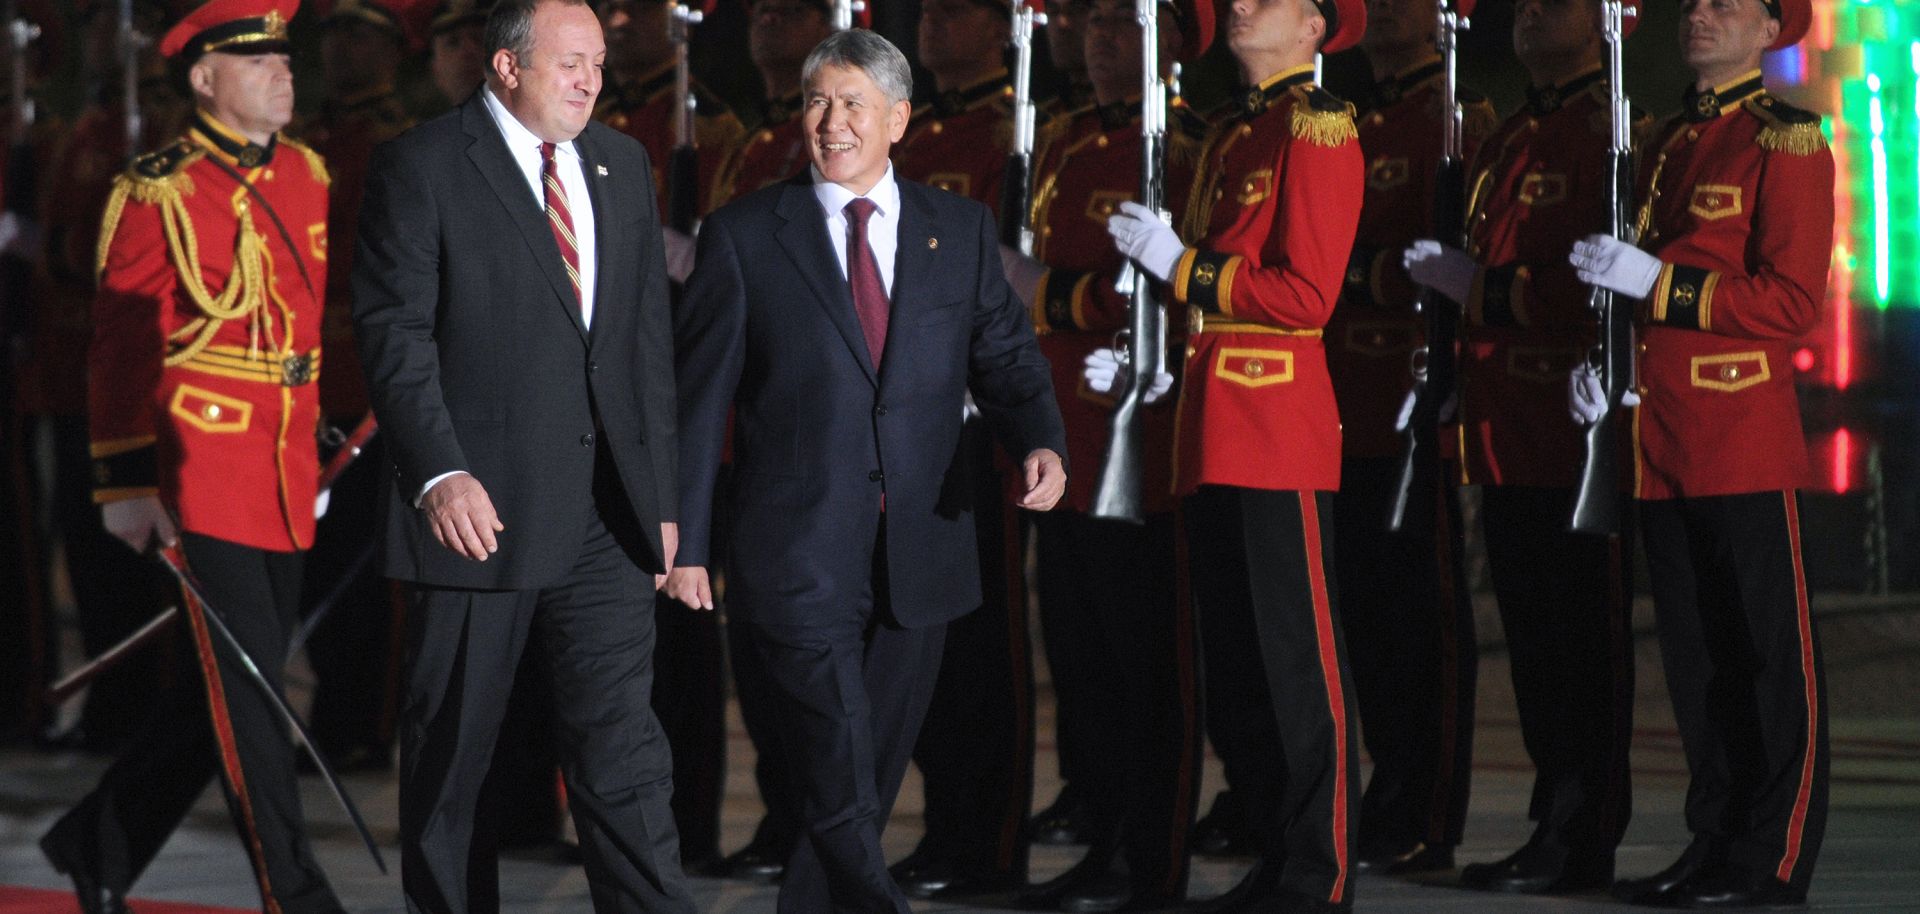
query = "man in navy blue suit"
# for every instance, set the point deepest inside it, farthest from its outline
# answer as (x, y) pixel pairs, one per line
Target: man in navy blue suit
(844, 315)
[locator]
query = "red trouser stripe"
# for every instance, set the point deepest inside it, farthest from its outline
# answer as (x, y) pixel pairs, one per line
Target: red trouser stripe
(229, 748)
(1804, 617)
(1330, 675)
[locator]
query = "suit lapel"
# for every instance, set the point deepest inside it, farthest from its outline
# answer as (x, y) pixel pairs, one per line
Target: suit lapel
(804, 238)
(489, 154)
(913, 261)
(606, 222)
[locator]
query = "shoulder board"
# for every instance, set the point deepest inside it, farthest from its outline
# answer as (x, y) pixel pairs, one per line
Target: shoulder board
(1320, 117)
(316, 165)
(1785, 128)
(161, 172)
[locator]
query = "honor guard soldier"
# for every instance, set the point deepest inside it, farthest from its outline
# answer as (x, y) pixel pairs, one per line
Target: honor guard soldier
(1066, 49)
(206, 347)
(114, 590)
(779, 36)
(975, 751)
(1403, 594)
(1257, 454)
(1736, 210)
(454, 57)
(355, 650)
(1120, 637)
(1539, 183)
(639, 100)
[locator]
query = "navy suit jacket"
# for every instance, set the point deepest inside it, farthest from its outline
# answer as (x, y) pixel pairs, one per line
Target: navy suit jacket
(767, 329)
(476, 357)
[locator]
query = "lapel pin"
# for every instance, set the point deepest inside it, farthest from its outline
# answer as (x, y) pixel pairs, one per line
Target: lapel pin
(600, 170)
(933, 244)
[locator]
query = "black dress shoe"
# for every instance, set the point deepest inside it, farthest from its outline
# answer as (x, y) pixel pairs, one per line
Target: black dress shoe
(1540, 868)
(1730, 886)
(1657, 890)
(1223, 831)
(1259, 887)
(943, 878)
(754, 863)
(1419, 858)
(1063, 822)
(1101, 893)
(61, 849)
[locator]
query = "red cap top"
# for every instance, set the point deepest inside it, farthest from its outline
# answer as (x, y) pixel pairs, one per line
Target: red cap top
(1346, 22)
(1795, 16)
(1196, 27)
(231, 27)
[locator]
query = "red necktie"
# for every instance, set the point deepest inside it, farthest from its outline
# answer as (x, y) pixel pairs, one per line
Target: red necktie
(863, 274)
(560, 215)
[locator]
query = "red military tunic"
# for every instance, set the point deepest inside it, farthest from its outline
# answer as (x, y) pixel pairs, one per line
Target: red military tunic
(1375, 330)
(344, 133)
(1739, 204)
(1271, 219)
(960, 142)
(773, 152)
(207, 338)
(1090, 165)
(1538, 185)
(645, 112)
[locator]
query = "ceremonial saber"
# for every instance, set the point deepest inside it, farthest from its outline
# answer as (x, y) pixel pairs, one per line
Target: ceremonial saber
(176, 562)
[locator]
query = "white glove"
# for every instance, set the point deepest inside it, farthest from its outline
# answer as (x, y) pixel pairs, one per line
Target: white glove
(1023, 274)
(139, 522)
(1138, 232)
(1446, 270)
(1608, 262)
(321, 502)
(1103, 369)
(1401, 421)
(679, 252)
(1587, 400)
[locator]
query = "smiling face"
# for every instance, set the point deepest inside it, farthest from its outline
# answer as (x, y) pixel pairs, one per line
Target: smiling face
(251, 93)
(551, 88)
(1721, 39)
(851, 125)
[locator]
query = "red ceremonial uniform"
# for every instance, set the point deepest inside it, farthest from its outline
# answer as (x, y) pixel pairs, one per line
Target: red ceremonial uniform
(1739, 204)
(645, 112)
(1538, 185)
(1090, 165)
(960, 142)
(1271, 219)
(773, 152)
(1375, 330)
(207, 337)
(344, 133)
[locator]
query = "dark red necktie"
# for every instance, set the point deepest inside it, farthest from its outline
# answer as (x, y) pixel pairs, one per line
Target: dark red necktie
(560, 216)
(863, 274)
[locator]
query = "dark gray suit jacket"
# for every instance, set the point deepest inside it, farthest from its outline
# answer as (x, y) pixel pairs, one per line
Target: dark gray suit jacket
(767, 327)
(476, 357)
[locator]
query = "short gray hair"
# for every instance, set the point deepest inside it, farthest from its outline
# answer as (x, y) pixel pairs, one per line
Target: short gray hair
(510, 26)
(867, 52)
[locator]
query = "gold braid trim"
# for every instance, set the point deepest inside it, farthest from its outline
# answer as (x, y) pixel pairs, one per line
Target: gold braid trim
(244, 293)
(141, 189)
(1320, 123)
(315, 163)
(1795, 139)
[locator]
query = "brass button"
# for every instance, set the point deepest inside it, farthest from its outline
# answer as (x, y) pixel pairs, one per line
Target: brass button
(1643, 347)
(1102, 142)
(1642, 390)
(1191, 352)
(1693, 134)
(1218, 193)
(937, 128)
(1729, 372)
(1255, 368)
(210, 411)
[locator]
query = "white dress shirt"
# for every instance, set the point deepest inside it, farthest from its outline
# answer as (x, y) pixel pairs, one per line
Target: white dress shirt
(883, 227)
(526, 151)
(525, 147)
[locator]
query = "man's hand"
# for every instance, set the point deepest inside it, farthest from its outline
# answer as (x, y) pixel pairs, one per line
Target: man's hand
(689, 585)
(1446, 270)
(1046, 481)
(669, 546)
(1614, 265)
(1138, 232)
(679, 254)
(462, 516)
(1023, 273)
(139, 522)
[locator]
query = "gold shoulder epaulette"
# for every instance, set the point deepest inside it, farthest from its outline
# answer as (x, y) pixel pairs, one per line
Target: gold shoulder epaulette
(1478, 117)
(1321, 118)
(155, 175)
(316, 165)
(1785, 128)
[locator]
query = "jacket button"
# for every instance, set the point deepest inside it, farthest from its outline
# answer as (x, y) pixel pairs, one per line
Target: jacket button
(593, 367)
(875, 476)
(586, 440)
(880, 410)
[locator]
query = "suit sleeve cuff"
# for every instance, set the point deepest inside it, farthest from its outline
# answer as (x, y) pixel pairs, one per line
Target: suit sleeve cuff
(125, 468)
(1683, 297)
(1204, 279)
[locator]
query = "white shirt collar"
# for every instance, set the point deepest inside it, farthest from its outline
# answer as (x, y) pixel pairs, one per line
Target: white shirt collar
(519, 138)
(885, 193)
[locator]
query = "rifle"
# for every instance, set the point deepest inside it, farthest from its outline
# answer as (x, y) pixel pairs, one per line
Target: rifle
(1596, 504)
(1117, 490)
(130, 41)
(683, 165)
(843, 12)
(1436, 365)
(1016, 189)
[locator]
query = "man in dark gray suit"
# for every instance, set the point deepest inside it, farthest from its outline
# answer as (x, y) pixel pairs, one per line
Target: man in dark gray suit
(844, 315)
(511, 307)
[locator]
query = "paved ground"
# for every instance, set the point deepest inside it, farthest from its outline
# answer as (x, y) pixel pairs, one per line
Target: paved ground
(1869, 864)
